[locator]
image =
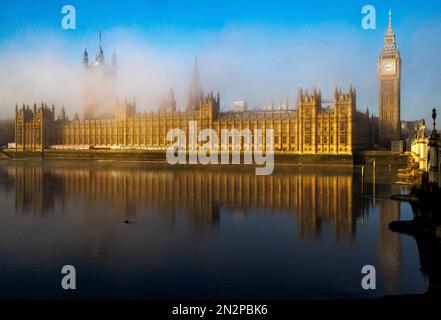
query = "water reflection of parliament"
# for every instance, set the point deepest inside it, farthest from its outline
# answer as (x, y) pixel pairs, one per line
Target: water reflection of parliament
(314, 198)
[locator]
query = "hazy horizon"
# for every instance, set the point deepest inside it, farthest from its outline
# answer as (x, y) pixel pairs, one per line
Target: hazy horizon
(258, 58)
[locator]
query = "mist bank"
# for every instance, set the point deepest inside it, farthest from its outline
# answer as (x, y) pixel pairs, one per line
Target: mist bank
(241, 62)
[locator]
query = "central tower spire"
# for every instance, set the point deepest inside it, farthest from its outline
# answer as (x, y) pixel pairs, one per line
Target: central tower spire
(195, 77)
(195, 91)
(100, 54)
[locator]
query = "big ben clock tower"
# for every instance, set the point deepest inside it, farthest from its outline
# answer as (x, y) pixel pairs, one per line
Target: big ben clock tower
(389, 69)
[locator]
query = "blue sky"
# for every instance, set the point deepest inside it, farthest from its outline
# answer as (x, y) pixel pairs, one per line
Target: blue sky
(260, 51)
(189, 16)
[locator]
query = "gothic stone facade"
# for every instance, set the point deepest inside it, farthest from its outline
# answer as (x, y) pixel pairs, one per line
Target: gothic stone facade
(312, 128)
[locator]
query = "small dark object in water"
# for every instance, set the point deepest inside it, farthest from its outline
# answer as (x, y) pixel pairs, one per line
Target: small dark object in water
(126, 221)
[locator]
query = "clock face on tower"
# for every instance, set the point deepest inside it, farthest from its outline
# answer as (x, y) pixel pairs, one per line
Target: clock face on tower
(388, 67)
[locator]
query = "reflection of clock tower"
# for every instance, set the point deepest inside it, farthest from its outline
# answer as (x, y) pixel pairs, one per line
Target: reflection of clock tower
(389, 88)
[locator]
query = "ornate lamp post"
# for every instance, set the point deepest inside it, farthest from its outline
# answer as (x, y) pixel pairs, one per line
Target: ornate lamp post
(433, 154)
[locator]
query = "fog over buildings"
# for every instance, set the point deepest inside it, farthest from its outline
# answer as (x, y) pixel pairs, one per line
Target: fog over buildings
(242, 62)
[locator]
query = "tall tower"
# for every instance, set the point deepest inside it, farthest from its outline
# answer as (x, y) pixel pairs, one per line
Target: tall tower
(195, 92)
(100, 94)
(389, 72)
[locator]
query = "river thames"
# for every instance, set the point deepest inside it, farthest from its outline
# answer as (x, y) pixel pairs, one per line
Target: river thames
(201, 232)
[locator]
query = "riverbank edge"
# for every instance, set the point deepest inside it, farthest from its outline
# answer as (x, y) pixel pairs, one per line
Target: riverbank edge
(359, 158)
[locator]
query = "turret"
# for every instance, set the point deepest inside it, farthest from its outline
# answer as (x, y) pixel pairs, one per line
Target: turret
(171, 101)
(210, 105)
(171, 96)
(299, 96)
(114, 63)
(99, 59)
(85, 58)
(62, 114)
(125, 110)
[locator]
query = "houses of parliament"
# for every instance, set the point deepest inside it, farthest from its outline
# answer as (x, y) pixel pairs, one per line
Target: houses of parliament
(315, 126)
